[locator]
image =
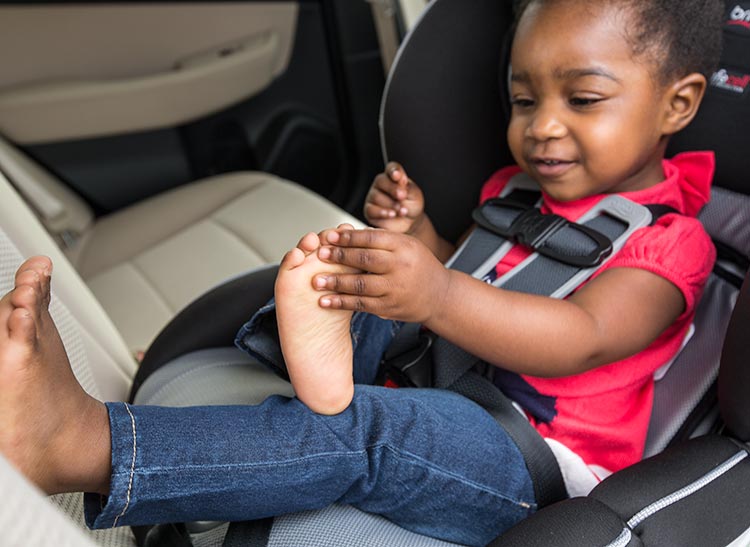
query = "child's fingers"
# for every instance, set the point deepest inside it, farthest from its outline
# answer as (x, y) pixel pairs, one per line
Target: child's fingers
(374, 212)
(396, 172)
(353, 303)
(396, 190)
(379, 203)
(362, 284)
(323, 236)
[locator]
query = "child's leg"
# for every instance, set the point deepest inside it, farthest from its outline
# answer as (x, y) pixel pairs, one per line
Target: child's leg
(316, 343)
(429, 460)
(50, 429)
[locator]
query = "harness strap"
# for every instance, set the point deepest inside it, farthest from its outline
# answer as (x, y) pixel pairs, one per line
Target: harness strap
(614, 219)
(566, 254)
(546, 477)
(485, 247)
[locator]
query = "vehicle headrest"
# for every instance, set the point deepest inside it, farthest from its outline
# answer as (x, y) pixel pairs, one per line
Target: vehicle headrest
(442, 115)
(721, 123)
(734, 373)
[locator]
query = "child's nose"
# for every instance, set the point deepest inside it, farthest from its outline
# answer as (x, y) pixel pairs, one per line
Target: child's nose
(546, 125)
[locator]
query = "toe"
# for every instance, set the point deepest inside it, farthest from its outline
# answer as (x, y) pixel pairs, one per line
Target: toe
(292, 259)
(21, 327)
(25, 296)
(29, 278)
(42, 265)
(309, 243)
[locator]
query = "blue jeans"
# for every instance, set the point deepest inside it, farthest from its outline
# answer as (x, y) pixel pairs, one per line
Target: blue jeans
(427, 459)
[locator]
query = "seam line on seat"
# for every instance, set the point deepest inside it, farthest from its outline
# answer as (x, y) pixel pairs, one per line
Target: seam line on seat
(176, 230)
(623, 539)
(151, 284)
(691, 488)
(132, 468)
(248, 243)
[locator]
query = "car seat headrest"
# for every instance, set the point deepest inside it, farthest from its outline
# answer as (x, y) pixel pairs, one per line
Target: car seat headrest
(734, 374)
(442, 115)
(445, 111)
(720, 123)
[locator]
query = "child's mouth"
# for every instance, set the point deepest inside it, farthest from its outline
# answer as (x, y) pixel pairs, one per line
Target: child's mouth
(551, 167)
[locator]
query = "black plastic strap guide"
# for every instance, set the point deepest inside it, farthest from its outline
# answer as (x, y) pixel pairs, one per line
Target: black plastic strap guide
(565, 253)
(533, 229)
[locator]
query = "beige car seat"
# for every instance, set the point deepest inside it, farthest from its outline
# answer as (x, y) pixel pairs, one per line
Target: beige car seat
(102, 363)
(146, 262)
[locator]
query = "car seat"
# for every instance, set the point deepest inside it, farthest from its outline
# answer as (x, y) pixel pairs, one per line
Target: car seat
(147, 261)
(440, 118)
(450, 32)
(449, 154)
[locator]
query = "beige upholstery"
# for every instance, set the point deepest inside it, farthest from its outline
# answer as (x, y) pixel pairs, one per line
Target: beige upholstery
(147, 262)
(99, 338)
(154, 65)
(100, 360)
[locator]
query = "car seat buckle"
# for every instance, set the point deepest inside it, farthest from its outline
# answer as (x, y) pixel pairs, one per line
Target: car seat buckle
(530, 227)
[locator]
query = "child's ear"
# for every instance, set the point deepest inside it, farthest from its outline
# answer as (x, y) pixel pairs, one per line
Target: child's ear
(684, 97)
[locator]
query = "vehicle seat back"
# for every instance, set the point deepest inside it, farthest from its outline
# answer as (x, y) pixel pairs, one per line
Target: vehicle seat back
(97, 354)
(685, 401)
(442, 113)
(147, 261)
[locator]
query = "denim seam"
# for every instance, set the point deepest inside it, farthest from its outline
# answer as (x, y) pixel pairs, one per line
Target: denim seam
(407, 456)
(218, 466)
(265, 358)
(132, 469)
(404, 455)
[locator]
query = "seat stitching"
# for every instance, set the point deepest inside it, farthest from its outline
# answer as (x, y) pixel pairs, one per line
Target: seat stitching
(248, 243)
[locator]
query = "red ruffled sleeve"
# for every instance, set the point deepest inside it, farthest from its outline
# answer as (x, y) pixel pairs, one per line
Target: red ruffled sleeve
(676, 248)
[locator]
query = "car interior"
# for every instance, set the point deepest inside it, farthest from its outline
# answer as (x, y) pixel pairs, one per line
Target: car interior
(140, 269)
(140, 132)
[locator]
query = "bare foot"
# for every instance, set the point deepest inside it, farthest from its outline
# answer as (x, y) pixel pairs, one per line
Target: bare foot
(316, 343)
(50, 428)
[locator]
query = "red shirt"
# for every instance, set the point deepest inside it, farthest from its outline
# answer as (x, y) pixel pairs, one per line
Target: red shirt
(603, 415)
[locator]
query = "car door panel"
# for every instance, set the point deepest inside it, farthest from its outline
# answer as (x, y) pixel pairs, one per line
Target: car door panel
(134, 67)
(123, 100)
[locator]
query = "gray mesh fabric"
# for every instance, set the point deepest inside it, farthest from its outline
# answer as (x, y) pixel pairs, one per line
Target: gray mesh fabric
(343, 526)
(224, 376)
(727, 217)
(695, 368)
(70, 504)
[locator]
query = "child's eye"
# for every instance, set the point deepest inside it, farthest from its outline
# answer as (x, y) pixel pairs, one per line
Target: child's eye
(521, 102)
(584, 101)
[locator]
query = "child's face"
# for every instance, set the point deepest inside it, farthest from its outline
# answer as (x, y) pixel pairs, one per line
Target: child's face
(587, 116)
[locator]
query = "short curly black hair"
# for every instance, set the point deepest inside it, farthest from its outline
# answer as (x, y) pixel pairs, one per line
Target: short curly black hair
(682, 36)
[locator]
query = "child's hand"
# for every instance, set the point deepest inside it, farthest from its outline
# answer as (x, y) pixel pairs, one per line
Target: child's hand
(394, 202)
(397, 268)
